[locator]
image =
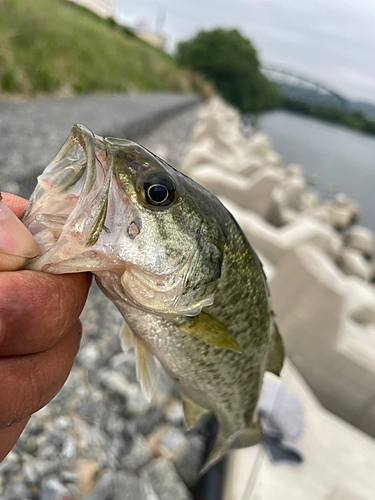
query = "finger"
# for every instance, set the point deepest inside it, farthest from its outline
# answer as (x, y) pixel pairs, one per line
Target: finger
(37, 309)
(17, 245)
(9, 437)
(15, 203)
(29, 382)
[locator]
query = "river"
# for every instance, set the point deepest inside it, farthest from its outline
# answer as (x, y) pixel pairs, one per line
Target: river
(334, 154)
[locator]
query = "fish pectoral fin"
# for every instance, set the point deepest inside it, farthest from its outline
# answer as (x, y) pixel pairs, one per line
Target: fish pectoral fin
(276, 355)
(249, 437)
(192, 412)
(146, 368)
(211, 331)
(221, 445)
(126, 337)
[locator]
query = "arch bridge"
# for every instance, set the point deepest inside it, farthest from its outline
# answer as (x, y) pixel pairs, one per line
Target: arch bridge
(305, 89)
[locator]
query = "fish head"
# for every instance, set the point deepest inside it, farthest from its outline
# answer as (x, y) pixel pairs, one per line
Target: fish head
(149, 233)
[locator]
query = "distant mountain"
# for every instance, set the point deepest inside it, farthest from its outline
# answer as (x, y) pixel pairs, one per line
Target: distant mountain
(365, 108)
(315, 97)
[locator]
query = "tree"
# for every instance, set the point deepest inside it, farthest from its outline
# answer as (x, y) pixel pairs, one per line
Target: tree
(230, 61)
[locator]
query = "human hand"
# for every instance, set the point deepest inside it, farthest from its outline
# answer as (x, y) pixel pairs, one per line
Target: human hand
(39, 327)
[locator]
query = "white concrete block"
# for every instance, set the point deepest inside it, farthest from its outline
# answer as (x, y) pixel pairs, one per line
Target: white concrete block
(361, 238)
(353, 263)
(360, 300)
(342, 211)
(275, 242)
(320, 212)
(253, 193)
(268, 267)
(339, 459)
(335, 354)
(309, 200)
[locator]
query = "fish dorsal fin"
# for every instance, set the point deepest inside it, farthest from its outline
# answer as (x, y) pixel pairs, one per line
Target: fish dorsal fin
(211, 331)
(146, 368)
(276, 355)
(126, 337)
(192, 411)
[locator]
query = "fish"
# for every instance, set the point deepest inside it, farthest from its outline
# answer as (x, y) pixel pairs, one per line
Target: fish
(178, 267)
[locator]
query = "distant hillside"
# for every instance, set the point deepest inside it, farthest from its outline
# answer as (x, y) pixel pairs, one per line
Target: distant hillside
(315, 97)
(364, 108)
(53, 46)
(327, 106)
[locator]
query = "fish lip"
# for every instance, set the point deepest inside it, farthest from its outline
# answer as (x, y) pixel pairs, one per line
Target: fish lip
(71, 195)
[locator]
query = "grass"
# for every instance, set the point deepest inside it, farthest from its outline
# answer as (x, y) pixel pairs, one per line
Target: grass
(52, 46)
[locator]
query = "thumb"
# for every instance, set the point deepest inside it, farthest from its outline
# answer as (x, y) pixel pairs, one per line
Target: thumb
(17, 245)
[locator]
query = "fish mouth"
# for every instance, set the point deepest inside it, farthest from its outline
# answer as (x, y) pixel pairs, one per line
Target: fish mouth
(68, 208)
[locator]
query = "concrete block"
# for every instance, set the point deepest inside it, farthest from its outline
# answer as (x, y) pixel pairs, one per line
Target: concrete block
(335, 354)
(294, 189)
(275, 242)
(360, 300)
(361, 238)
(320, 212)
(353, 263)
(342, 211)
(268, 267)
(253, 193)
(309, 200)
(339, 459)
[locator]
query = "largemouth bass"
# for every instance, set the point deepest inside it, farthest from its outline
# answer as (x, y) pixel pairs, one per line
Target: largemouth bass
(177, 266)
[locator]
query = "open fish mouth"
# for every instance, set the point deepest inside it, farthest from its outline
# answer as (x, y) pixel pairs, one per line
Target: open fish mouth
(84, 220)
(67, 210)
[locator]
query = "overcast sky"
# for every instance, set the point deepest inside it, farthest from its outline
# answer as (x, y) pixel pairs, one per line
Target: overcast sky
(332, 41)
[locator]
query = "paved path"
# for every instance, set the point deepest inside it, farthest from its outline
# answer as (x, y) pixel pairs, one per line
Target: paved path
(31, 133)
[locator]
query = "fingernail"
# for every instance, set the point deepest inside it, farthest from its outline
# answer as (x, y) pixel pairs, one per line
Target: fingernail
(15, 239)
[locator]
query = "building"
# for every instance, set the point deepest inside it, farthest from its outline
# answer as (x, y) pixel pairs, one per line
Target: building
(102, 8)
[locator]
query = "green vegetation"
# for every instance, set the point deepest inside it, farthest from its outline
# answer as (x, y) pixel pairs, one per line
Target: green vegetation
(230, 61)
(334, 115)
(54, 46)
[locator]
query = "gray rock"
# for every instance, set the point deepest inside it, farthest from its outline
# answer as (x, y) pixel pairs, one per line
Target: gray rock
(165, 481)
(68, 476)
(168, 441)
(17, 491)
(11, 465)
(46, 468)
(146, 423)
(69, 448)
(29, 473)
(47, 452)
(139, 455)
(188, 464)
(118, 385)
(104, 489)
(130, 487)
(174, 412)
(52, 489)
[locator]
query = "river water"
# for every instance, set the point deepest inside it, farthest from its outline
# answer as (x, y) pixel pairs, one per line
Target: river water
(336, 155)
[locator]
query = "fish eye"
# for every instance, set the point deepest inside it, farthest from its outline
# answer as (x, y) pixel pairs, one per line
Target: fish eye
(159, 190)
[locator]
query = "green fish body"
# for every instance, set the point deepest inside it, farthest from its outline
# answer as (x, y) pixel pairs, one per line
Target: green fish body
(176, 264)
